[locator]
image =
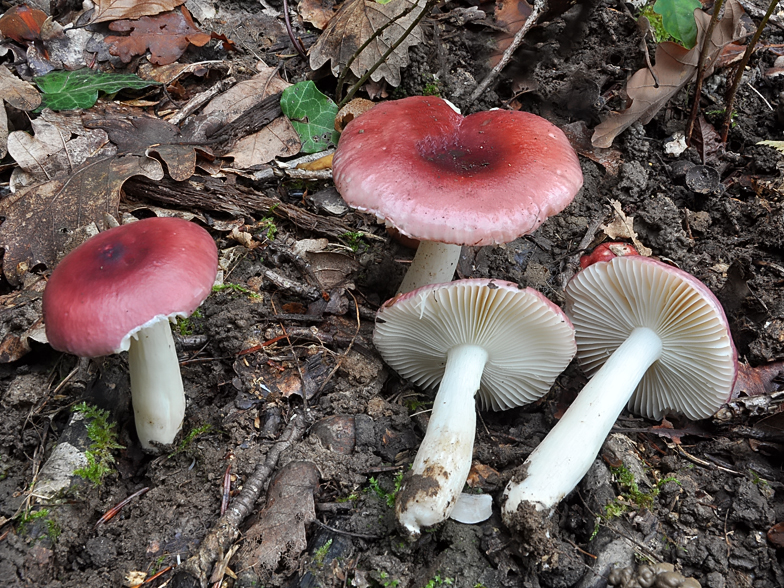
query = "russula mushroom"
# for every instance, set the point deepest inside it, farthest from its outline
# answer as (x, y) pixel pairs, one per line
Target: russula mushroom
(606, 251)
(487, 337)
(117, 291)
(651, 336)
(449, 180)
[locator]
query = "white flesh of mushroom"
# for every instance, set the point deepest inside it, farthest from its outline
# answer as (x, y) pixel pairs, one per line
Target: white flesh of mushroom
(156, 384)
(434, 263)
(444, 457)
(560, 461)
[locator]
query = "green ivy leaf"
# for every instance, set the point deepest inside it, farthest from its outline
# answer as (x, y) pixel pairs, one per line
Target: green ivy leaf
(678, 19)
(69, 90)
(312, 115)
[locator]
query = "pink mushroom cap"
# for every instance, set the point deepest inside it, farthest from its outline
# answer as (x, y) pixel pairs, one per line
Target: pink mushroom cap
(436, 175)
(124, 278)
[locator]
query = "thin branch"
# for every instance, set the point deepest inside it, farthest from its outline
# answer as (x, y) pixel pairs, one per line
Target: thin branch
(701, 67)
(741, 68)
(536, 12)
(226, 530)
(294, 40)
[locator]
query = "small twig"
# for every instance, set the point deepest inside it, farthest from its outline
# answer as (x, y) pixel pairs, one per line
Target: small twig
(730, 102)
(226, 490)
(298, 288)
(348, 349)
(200, 100)
(536, 12)
(112, 512)
(701, 67)
(358, 52)
(349, 533)
(294, 40)
(761, 97)
(226, 530)
(383, 58)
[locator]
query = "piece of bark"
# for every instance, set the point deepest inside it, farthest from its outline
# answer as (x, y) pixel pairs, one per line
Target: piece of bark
(209, 193)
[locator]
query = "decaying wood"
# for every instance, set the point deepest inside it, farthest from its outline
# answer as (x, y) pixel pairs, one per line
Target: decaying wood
(197, 570)
(251, 121)
(207, 193)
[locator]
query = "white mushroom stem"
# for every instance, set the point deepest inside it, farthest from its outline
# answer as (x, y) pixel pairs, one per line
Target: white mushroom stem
(434, 263)
(156, 384)
(431, 489)
(558, 464)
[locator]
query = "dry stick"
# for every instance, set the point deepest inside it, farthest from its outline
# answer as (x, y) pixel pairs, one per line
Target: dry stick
(741, 68)
(294, 40)
(536, 12)
(375, 35)
(226, 530)
(701, 67)
(428, 6)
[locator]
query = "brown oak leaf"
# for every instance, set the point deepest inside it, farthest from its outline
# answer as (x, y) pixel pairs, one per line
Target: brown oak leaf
(40, 219)
(167, 36)
(106, 10)
(353, 24)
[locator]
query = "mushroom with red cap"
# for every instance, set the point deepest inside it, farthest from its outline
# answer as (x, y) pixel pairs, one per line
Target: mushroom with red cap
(651, 336)
(487, 337)
(117, 291)
(449, 180)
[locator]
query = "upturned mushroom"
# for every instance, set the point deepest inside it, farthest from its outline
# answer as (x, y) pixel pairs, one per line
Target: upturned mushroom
(117, 291)
(449, 180)
(487, 337)
(651, 337)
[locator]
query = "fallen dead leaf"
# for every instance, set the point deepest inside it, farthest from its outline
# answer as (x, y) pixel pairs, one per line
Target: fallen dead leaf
(106, 10)
(39, 219)
(277, 139)
(167, 36)
(351, 111)
(316, 12)
(144, 135)
(622, 227)
(331, 269)
(60, 144)
(280, 532)
(18, 94)
(675, 67)
(760, 380)
(707, 141)
(579, 136)
(166, 74)
(22, 23)
(353, 24)
(319, 164)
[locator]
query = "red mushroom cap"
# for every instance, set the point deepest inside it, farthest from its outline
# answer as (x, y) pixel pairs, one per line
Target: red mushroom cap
(436, 175)
(607, 251)
(116, 282)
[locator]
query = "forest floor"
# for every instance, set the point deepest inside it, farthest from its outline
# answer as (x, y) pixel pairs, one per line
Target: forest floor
(704, 496)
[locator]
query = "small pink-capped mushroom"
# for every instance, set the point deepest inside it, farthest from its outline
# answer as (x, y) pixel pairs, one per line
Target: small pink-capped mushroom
(117, 291)
(449, 180)
(606, 251)
(651, 337)
(489, 338)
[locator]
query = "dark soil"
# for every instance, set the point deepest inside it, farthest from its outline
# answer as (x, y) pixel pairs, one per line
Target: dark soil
(719, 491)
